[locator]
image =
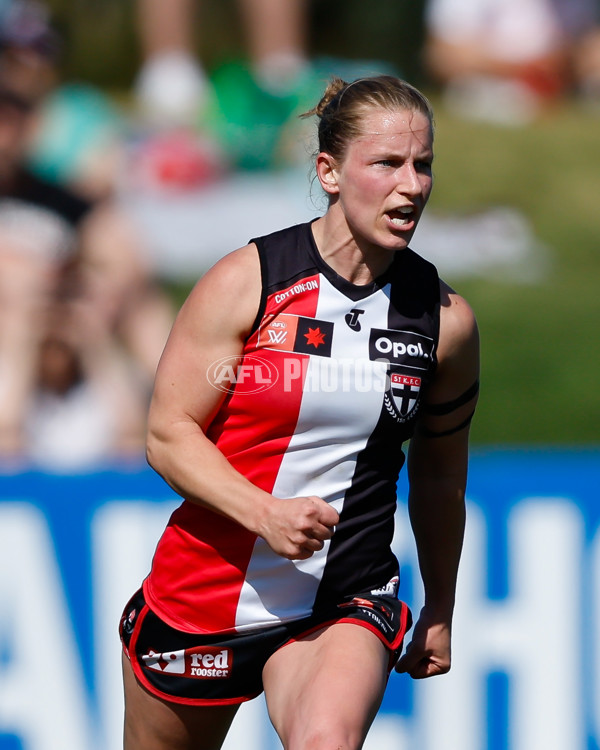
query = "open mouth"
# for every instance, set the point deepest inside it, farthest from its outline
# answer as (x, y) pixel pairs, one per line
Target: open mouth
(400, 217)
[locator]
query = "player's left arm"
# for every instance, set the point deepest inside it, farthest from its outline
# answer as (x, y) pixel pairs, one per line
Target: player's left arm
(437, 471)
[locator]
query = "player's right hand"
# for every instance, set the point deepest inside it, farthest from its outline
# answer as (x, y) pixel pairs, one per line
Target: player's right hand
(297, 527)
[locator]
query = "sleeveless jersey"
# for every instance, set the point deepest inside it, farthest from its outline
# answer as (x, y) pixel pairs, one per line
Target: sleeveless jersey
(327, 389)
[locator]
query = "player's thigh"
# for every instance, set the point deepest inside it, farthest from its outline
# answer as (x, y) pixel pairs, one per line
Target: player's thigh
(325, 689)
(154, 724)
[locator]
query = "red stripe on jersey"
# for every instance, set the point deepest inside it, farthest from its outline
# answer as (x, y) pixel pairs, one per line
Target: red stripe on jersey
(214, 543)
(200, 547)
(255, 437)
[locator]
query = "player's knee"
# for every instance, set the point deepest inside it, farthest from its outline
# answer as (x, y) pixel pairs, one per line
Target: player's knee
(325, 735)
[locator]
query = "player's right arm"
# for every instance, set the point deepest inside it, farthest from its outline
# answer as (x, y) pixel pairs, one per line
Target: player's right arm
(213, 323)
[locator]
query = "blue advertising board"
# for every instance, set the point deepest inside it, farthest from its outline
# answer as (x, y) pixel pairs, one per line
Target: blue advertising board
(526, 670)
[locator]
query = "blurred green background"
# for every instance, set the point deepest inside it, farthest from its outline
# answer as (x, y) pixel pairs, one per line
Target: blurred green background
(103, 47)
(540, 352)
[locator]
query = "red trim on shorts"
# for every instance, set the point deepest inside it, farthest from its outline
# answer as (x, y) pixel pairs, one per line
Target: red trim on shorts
(144, 682)
(392, 648)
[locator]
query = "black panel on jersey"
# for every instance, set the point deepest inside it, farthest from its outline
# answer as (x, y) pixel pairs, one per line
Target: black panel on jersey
(360, 556)
(291, 254)
(366, 524)
(285, 256)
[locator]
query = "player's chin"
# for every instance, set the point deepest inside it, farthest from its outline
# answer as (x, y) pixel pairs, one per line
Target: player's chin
(396, 240)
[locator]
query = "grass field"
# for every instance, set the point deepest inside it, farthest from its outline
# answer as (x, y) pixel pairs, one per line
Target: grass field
(540, 341)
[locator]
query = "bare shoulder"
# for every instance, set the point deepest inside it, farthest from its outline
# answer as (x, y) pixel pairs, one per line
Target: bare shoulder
(233, 274)
(459, 333)
(228, 294)
(213, 323)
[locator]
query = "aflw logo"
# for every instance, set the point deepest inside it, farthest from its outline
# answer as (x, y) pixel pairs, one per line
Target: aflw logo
(207, 663)
(277, 337)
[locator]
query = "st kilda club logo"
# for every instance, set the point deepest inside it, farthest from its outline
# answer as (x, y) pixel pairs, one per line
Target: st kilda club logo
(409, 356)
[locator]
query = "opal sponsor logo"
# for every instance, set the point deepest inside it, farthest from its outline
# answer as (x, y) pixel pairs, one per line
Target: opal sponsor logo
(401, 348)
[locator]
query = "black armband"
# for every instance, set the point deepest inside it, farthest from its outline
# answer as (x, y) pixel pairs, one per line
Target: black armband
(426, 432)
(450, 406)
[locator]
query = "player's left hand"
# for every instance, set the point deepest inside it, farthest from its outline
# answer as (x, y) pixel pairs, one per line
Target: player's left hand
(428, 653)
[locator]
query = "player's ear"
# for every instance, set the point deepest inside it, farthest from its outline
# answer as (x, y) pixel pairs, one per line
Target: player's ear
(327, 173)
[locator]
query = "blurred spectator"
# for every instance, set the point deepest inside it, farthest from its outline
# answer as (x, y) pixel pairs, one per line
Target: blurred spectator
(86, 405)
(38, 223)
(43, 228)
(244, 106)
(70, 147)
(504, 60)
(77, 138)
(172, 81)
(586, 66)
(171, 84)
(28, 46)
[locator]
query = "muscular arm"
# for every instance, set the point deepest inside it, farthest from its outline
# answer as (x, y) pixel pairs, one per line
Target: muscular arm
(212, 324)
(437, 466)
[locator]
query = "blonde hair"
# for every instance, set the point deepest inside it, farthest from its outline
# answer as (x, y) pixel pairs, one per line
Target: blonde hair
(343, 106)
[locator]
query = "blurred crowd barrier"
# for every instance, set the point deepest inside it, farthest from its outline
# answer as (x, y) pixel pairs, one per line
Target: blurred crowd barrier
(526, 668)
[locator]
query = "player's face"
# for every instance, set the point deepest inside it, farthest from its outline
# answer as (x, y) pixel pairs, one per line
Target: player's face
(385, 179)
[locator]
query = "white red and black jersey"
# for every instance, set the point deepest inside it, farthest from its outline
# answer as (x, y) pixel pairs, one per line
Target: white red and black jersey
(326, 391)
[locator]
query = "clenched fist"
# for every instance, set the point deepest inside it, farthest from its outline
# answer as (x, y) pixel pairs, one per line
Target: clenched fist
(298, 527)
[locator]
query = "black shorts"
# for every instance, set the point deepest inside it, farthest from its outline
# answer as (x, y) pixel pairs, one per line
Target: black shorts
(226, 668)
